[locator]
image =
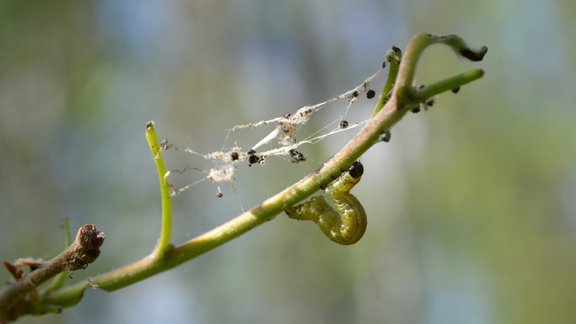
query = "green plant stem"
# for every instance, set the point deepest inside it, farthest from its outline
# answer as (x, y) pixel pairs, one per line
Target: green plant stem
(403, 96)
(393, 57)
(166, 226)
(404, 86)
(448, 84)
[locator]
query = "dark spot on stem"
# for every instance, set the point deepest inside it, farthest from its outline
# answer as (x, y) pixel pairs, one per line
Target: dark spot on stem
(387, 135)
(474, 55)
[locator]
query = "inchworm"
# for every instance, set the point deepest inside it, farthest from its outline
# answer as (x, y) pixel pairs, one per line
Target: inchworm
(341, 218)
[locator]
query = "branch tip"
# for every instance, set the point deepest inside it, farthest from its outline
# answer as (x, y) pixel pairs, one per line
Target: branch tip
(89, 242)
(22, 298)
(473, 55)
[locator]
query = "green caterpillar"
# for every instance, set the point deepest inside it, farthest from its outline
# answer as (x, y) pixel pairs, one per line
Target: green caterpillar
(341, 218)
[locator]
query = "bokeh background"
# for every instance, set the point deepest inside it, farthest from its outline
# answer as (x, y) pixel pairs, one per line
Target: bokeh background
(472, 210)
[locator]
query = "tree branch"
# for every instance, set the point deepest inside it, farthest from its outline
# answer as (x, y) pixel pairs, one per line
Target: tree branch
(84, 250)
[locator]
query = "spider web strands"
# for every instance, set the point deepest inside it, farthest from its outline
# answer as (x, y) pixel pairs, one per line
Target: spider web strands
(287, 124)
(224, 161)
(224, 170)
(222, 174)
(285, 150)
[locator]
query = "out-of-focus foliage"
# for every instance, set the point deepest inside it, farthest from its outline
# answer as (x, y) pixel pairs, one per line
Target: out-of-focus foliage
(471, 207)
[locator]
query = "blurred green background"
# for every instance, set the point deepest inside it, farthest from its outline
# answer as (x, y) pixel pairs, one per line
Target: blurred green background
(472, 216)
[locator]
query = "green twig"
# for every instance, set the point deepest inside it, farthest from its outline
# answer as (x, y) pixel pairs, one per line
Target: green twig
(404, 88)
(166, 227)
(454, 82)
(393, 57)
